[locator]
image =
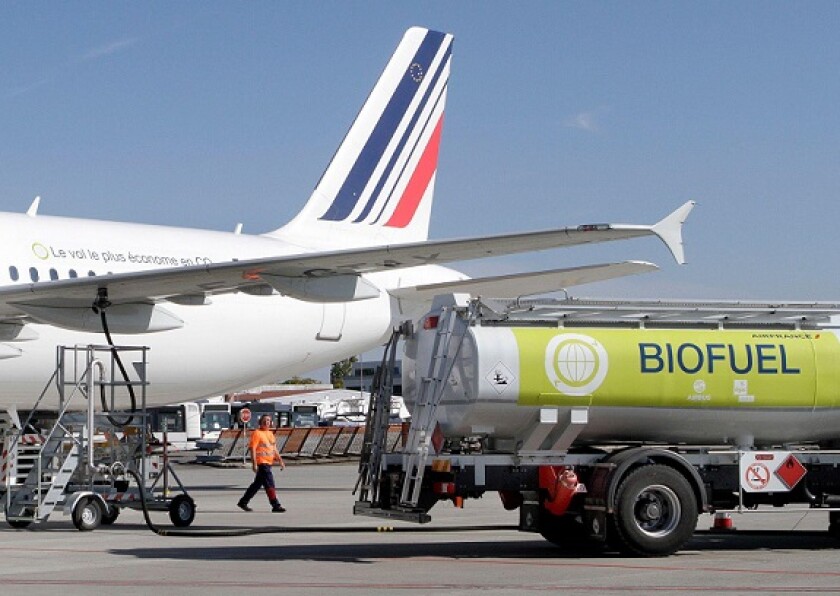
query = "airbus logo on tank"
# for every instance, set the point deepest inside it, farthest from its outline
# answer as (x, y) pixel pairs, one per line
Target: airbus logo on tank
(575, 364)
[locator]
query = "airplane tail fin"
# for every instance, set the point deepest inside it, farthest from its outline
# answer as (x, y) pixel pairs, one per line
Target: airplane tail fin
(379, 186)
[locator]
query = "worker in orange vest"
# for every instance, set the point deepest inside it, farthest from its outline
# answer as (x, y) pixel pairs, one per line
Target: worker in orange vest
(264, 453)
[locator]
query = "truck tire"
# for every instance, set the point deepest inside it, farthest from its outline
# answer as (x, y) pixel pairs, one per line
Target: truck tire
(655, 512)
(87, 514)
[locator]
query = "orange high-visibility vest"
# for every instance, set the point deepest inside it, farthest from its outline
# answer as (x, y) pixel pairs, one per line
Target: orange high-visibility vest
(262, 444)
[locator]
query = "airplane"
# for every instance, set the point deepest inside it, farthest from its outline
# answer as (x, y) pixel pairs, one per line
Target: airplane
(224, 311)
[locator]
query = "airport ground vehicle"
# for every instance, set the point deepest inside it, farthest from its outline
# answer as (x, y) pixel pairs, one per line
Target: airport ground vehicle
(178, 424)
(215, 417)
(187, 423)
(81, 464)
(284, 414)
(613, 422)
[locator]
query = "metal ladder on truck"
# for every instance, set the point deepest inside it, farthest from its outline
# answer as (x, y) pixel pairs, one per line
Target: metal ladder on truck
(67, 454)
(377, 422)
(450, 328)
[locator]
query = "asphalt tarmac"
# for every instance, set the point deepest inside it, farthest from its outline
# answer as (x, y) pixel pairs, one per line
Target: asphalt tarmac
(319, 547)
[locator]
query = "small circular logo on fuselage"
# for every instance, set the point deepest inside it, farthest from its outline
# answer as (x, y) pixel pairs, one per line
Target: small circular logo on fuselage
(40, 251)
(575, 364)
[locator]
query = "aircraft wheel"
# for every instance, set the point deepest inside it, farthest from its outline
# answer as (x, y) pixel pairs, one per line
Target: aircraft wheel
(656, 511)
(19, 524)
(182, 511)
(87, 514)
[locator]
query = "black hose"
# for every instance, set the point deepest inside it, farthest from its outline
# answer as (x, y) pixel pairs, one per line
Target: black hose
(201, 534)
(124, 374)
(291, 530)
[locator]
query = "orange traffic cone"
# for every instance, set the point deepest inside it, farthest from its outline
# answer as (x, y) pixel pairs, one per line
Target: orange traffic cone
(722, 523)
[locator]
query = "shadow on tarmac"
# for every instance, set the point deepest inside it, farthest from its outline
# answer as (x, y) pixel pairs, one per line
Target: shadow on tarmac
(477, 549)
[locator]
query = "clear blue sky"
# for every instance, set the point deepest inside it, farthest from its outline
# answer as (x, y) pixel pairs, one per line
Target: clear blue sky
(205, 114)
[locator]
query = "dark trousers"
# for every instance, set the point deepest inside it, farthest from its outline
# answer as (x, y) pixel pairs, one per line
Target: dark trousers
(263, 479)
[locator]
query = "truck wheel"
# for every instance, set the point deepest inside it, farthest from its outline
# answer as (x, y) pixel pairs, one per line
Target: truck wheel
(656, 512)
(182, 511)
(87, 514)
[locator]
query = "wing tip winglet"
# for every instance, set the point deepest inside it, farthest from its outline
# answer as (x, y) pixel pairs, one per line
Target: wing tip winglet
(669, 230)
(641, 266)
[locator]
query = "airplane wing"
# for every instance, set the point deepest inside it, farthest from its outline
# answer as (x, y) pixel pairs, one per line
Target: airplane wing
(528, 284)
(670, 313)
(321, 276)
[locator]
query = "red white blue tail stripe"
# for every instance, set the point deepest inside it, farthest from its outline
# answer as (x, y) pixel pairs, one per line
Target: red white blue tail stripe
(425, 78)
(379, 185)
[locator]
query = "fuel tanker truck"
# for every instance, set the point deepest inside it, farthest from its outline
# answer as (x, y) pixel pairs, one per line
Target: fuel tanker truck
(613, 423)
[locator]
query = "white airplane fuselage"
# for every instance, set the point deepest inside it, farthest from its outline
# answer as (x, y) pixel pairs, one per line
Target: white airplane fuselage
(234, 341)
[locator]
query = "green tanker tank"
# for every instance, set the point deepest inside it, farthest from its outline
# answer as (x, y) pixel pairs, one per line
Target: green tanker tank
(693, 386)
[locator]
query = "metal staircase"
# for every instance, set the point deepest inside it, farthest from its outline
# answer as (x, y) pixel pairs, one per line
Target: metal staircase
(377, 422)
(36, 498)
(66, 459)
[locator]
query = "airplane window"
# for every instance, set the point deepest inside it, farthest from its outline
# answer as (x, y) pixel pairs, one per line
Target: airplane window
(13, 273)
(73, 274)
(53, 274)
(91, 274)
(33, 274)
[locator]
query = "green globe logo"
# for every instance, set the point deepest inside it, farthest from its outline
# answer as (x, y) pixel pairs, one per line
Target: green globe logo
(575, 364)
